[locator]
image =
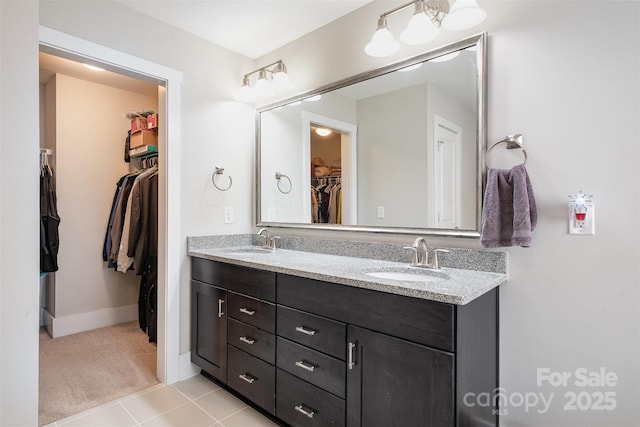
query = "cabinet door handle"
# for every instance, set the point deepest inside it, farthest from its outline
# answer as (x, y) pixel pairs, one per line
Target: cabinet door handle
(247, 311)
(306, 366)
(350, 359)
(306, 411)
(248, 378)
(305, 331)
(247, 340)
(220, 312)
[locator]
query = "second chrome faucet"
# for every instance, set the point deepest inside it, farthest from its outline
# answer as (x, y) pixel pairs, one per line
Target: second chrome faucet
(422, 256)
(269, 241)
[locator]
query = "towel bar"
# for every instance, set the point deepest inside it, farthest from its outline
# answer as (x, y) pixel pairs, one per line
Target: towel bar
(513, 141)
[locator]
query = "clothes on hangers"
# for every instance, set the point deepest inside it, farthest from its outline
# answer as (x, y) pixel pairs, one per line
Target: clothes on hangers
(131, 239)
(124, 260)
(325, 196)
(49, 220)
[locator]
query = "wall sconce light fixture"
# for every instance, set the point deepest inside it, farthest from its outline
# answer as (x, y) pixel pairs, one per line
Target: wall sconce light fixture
(271, 78)
(424, 26)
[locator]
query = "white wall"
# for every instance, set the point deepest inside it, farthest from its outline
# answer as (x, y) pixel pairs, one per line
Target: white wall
(392, 151)
(19, 212)
(566, 75)
(90, 132)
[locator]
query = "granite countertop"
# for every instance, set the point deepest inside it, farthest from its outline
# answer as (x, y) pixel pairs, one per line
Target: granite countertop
(459, 287)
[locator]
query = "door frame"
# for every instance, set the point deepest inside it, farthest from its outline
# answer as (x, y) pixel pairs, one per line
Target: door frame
(169, 142)
(349, 163)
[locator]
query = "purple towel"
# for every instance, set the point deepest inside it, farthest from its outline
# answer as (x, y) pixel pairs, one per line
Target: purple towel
(509, 213)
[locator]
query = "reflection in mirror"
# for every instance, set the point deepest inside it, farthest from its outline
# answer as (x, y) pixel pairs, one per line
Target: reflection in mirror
(399, 149)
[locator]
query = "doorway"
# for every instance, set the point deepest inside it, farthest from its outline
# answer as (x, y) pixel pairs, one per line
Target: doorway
(169, 258)
(345, 154)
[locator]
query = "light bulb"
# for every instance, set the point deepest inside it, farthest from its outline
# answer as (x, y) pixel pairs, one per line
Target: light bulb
(382, 42)
(420, 29)
(464, 14)
(281, 80)
(323, 131)
(246, 94)
(263, 87)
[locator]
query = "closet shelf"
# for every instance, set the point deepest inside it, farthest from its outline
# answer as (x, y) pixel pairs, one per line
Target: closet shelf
(145, 150)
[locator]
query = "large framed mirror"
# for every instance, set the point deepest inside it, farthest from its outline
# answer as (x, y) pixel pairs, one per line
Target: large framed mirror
(399, 149)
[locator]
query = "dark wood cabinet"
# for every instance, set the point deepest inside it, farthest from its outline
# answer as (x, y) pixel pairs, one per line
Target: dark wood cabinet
(394, 382)
(209, 329)
(315, 353)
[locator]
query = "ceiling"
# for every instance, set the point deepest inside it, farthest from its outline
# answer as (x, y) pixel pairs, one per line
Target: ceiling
(52, 64)
(251, 28)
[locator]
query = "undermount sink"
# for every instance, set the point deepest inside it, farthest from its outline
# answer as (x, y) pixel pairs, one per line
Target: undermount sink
(410, 274)
(246, 251)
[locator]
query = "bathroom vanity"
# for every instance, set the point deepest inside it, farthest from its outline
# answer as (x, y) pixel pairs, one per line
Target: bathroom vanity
(316, 339)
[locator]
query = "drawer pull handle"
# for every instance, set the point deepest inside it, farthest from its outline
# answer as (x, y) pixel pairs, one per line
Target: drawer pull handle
(306, 411)
(350, 359)
(305, 331)
(305, 366)
(248, 378)
(247, 340)
(220, 312)
(247, 311)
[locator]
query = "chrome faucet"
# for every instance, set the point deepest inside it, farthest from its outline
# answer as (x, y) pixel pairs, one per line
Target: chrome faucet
(422, 254)
(269, 241)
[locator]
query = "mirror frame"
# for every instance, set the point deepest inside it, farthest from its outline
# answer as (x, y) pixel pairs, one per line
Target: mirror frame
(480, 41)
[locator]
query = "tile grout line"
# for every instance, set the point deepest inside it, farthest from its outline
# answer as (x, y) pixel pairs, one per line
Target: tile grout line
(201, 396)
(129, 413)
(218, 420)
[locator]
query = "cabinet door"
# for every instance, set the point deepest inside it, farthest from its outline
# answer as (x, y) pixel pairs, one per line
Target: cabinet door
(393, 382)
(209, 329)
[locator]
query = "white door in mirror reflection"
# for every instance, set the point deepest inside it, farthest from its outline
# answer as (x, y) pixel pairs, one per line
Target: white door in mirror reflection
(446, 185)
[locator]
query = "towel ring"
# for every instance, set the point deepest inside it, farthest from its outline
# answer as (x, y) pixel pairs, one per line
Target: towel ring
(220, 171)
(513, 141)
(279, 176)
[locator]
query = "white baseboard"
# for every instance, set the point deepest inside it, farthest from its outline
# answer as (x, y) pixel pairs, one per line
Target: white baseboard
(61, 326)
(187, 369)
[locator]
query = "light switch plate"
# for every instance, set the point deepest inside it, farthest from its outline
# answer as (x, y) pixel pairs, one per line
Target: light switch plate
(380, 212)
(228, 215)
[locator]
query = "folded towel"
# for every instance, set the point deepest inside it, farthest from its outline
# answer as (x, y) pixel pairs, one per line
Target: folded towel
(509, 213)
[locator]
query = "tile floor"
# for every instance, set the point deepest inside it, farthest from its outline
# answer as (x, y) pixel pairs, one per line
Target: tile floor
(193, 402)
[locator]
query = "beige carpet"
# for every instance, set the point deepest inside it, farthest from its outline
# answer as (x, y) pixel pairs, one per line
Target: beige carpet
(84, 370)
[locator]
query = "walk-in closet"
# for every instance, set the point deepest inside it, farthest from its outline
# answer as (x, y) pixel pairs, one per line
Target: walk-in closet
(101, 176)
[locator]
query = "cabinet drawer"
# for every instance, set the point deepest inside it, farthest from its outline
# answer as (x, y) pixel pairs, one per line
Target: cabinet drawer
(317, 368)
(258, 313)
(253, 340)
(302, 404)
(319, 333)
(252, 377)
(249, 281)
(426, 322)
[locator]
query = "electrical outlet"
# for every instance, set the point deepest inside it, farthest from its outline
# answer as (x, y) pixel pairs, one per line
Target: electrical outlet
(228, 215)
(380, 212)
(585, 227)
